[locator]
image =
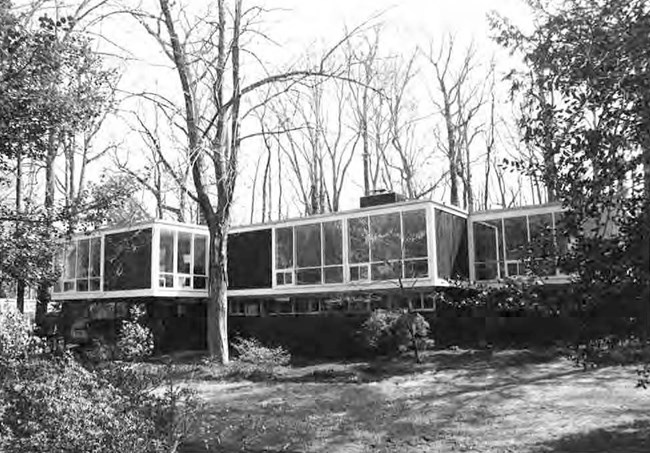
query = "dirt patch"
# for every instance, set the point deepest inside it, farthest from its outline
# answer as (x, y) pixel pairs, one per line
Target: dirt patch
(457, 401)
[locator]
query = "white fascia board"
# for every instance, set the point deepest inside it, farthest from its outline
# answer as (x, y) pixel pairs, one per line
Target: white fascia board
(292, 290)
(99, 295)
(516, 212)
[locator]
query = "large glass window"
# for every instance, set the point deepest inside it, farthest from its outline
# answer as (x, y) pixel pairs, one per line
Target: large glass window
(486, 250)
(82, 261)
(525, 244)
(333, 252)
(284, 256)
(385, 237)
(451, 245)
(308, 254)
(358, 234)
(200, 269)
(166, 259)
(182, 260)
(414, 228)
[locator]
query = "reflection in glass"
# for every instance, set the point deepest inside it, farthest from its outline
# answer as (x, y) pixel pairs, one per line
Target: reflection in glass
(95, 257)
(333, 274)
(166, 260)
(485, 242)
(415, 233)
(385, 237)
(416, 269)
(386, 271)
(70, 260)
(83, 253)
(184, 253)
(308, 245)
(284, 248)
(358, 273)
(516, 236)
(200, 247)
(358, 240)
(308, 276)
(333, 242)
(200, 282)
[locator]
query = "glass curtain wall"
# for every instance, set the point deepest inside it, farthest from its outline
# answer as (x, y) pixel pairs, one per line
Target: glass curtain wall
(182, 260)
(380, 247)
(516, 246)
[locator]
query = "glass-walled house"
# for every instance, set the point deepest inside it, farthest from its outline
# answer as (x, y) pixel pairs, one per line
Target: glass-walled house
(160, 259)
(404, 245)
(517, 242)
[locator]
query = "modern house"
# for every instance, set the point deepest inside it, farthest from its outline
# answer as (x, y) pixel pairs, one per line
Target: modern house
(312, 264)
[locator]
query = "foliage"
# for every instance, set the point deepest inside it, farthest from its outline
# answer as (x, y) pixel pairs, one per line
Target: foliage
(135, 340)
(392, 331)
(16, 335)
(377, 330)
(586, 107)
(113, 408)
(252, 351)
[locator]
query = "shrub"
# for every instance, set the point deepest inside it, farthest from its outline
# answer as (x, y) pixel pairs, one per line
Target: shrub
(251, 350)
(378, 331)
(16, 334)
(135, 341)
(395, 331)
(101, 410)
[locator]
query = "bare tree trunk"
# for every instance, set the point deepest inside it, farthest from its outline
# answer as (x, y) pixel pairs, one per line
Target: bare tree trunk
(43, 298)
(20, 282)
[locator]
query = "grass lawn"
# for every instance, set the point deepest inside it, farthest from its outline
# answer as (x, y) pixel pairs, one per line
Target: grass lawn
(457, 401)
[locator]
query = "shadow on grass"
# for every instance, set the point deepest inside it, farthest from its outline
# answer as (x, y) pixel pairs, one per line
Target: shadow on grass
(467, 361)
(631, 437)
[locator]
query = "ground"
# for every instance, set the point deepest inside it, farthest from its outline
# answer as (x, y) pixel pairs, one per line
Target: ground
(457, 401)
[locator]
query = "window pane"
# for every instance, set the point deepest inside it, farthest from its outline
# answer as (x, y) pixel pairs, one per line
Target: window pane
(70, 260)
(284, 248)
(184, 253)
(308, 277)
(385, 237)
(485, 242)
(415, 233)
(82, 258)
(95, 257)
(358, 238)
(516, 236)
(334, 274)
(166, 251)
(386, 271)
(308, 245)
(416, 269)
(82, 285)
(94, 284)
(333, 242)
(200, 247)
(358, 273)
(451, 245)
(200, 282)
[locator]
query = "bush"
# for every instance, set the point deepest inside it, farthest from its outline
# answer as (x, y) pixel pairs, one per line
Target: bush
(395, 331)
(52, 403)
(16, 334)
(378, 331)
(135, 341)
(252, 351)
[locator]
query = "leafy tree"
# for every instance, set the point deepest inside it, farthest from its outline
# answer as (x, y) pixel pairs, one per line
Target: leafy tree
(52, 88)
(587, 106)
